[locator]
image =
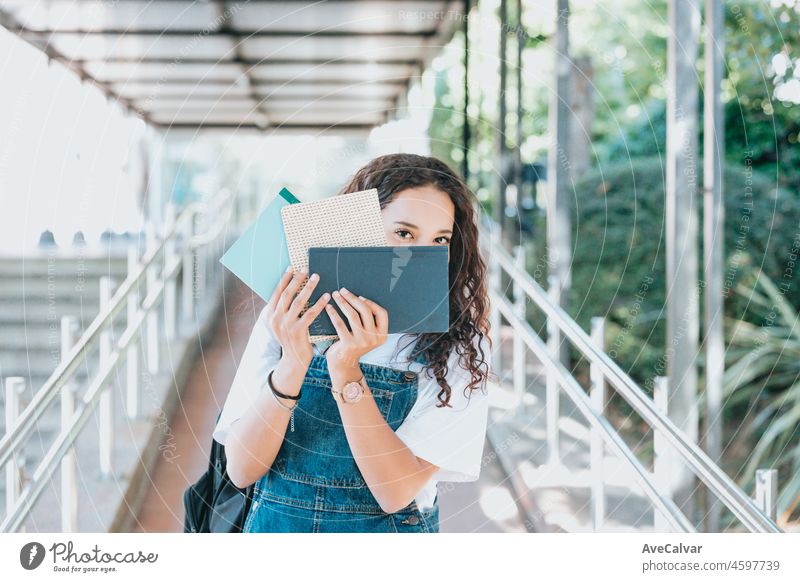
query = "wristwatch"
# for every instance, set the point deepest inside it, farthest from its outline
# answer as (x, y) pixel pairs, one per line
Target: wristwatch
(351, 392)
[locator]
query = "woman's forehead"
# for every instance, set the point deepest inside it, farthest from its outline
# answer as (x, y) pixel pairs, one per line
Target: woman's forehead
(423, 203)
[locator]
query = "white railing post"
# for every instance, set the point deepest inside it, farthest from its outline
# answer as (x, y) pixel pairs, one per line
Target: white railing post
(169, 283)
(767, 492)
(520, 300)
(132, 359)
(69, 467)
(664, 460)
(597, 398)
(15, 386)
(552, 406)
(106, 405)
(495, 280)
(189, 265)
(202, 256)
(152, 316)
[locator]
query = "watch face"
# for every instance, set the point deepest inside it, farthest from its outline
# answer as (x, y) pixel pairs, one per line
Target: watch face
(352, 392)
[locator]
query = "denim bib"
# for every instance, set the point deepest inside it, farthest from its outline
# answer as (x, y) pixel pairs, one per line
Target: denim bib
(314, 484)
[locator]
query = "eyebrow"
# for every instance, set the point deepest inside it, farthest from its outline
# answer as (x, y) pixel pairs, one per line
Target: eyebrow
(408, 224)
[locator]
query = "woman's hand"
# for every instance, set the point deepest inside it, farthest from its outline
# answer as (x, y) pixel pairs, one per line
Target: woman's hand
(369, 323)
(283, 316)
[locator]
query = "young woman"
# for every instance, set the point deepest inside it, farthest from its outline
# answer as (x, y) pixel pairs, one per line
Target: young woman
(380, 418)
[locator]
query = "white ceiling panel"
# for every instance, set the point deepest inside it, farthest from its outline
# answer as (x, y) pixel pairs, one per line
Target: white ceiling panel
(325, 117)
(333, 70)
(377, 16)
(332, 48)
(103, 46)
(164, 72)
(78, 15)
(180, 90)
(336, 91)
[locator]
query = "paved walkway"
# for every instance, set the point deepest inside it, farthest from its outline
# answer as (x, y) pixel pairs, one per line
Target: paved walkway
(486, 505)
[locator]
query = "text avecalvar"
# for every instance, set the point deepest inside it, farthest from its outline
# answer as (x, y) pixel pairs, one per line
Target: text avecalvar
(671, 549)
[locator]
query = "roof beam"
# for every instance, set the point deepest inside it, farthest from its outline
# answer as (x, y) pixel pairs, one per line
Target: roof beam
(187, 59)
(224, 17)
(229, 32)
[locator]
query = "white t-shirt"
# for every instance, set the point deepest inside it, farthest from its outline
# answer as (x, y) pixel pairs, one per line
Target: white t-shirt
(451, 438)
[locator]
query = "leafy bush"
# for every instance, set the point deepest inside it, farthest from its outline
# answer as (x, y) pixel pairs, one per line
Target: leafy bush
(619, 260)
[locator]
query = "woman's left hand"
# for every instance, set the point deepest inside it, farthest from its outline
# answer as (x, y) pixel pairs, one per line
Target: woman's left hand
(369, 323)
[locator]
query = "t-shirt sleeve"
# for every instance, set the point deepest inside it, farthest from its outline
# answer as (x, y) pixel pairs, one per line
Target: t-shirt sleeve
(451, 438)
(260, 356)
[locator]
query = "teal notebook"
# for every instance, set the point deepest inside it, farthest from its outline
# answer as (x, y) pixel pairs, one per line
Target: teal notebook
(260, 256)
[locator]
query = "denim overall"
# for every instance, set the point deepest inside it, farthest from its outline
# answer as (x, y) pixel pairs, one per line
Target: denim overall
(314, 484)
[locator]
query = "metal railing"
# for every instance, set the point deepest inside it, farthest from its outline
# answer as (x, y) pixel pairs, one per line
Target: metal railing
(184, 247)
(757, 516)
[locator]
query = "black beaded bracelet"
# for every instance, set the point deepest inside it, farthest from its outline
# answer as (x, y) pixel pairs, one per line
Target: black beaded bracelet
(281, 394)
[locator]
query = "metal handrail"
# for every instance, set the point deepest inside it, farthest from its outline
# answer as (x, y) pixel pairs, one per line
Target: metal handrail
(715, 479)
(25, 424)
(36, 408)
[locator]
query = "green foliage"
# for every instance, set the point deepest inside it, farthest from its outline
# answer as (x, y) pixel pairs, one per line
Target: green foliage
(618, 269)
(762, 386)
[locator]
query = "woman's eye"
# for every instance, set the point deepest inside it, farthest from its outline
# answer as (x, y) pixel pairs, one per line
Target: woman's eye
(402, 233)
(443, 240)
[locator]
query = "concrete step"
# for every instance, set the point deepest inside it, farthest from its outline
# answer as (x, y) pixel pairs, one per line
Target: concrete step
(21, 313)
(42, 336)
(67, 267)
(31, 290)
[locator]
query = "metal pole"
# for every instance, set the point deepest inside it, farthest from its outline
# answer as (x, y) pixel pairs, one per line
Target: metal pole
(664, 462)
(465, 128)
(767, 492)
(559, 242)
(502, 148)
(15, 386)
(187, 284)
(69, 467)
(682, 231)
(520, 300)
(495, 280)
(713, 228)
(552, 405)
(152, 317)
(106, 405)
(169, 284)
(597, 398)
(132, 359)
(520, 138)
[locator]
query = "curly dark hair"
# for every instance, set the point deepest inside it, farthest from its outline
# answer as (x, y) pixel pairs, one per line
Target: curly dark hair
(469, 303)
(468, 298)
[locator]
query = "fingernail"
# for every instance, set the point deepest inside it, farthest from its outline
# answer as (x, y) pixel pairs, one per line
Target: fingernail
(345, 290)
(325, 296)
(362, 298)
(314, 277)
(336, 294)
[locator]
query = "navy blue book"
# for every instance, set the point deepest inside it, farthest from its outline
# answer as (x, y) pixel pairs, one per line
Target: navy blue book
(410, 282)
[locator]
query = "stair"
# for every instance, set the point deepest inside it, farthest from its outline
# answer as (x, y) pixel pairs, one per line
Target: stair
(34, 294)
(557, 497)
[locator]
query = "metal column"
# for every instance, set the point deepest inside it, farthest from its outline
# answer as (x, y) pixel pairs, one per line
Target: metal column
(713, 228)
(682, 230)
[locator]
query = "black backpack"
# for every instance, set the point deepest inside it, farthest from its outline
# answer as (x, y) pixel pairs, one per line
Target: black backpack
(214, 504)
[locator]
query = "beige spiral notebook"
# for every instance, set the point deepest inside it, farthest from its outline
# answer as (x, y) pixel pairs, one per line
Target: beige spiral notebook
(346, 220)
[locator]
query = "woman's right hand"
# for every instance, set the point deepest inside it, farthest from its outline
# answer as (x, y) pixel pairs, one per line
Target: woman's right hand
(283, 315)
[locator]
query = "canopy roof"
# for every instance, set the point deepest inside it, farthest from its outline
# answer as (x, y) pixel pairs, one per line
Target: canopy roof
(281, 64)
